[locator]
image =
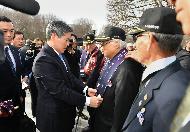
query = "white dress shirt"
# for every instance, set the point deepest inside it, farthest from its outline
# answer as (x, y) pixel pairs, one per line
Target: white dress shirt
(157, 65)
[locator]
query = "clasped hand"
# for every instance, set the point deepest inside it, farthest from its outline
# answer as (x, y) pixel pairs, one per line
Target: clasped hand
(95, 101)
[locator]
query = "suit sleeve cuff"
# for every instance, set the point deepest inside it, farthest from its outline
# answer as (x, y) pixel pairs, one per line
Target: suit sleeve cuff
(87, 103)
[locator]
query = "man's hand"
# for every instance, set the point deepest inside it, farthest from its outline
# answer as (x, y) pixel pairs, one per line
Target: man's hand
(25, 82)
(92, 92)
(25, 79)
(95, 101)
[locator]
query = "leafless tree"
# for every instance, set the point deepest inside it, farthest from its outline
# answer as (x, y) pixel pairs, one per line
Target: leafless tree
(126, 13)
(31, 26)
(82, 26)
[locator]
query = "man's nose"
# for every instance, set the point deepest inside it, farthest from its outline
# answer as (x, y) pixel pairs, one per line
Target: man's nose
(9, 33)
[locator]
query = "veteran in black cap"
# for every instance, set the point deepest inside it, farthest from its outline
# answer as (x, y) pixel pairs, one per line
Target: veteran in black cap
(164, 81)
(93, 61)
(91, 50)
(118, 82)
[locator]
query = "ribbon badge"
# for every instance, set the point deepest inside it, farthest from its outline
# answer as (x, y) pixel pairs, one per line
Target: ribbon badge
(140, 116)
(109, 83)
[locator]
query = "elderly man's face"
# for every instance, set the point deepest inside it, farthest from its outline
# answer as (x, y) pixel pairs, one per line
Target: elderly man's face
(140, 51)
(110, 48)
(183, 13)
(18, 41)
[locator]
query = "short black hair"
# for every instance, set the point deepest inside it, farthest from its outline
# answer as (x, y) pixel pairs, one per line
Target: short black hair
(18, 33)
(4, 19)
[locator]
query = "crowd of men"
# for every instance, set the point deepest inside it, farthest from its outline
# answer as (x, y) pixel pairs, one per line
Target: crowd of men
(138, 87)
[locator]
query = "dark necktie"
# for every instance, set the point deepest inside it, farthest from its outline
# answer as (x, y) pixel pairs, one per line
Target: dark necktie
(8, 58)
(143, 84)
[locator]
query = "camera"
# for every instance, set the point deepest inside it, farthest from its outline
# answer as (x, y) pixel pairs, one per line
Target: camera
(2, 56)
(79, 41)
(32, 50)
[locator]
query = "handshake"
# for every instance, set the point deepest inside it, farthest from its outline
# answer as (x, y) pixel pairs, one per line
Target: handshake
(95, 101)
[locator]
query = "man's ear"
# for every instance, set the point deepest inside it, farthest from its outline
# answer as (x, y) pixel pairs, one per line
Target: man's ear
(53, 35)
(117, 45)
(150, 41)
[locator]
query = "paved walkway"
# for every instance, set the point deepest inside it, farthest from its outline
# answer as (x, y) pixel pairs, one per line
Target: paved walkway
(81, 124)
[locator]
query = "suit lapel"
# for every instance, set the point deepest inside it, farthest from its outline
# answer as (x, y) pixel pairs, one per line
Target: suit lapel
(17, 60)
(146, 93)
(52, 53)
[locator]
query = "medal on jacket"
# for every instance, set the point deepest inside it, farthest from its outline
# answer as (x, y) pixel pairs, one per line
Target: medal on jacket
(140, 116)
(109, 83)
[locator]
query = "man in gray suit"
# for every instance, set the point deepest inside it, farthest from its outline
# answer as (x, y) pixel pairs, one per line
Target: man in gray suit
(164, 81)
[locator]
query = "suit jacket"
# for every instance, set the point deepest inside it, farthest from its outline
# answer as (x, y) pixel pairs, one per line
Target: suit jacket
(184, 58)
(10, 88)
(10, 84)
(58, 92)
(27, 62)
(181, 121)
(156, 103)
(73, 61)
(118, 98)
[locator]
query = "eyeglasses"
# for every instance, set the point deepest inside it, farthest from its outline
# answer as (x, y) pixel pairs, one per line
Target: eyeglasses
(106, 42)
(136, 36)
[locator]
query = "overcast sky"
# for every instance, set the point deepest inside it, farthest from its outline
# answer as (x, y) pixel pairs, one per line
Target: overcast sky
(70, 10)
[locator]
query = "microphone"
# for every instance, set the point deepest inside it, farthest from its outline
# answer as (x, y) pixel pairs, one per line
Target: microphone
(30, 7)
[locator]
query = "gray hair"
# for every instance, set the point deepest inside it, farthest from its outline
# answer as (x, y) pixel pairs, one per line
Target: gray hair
(186, 39)
(168, 43)
(122, 44)
(58, 27)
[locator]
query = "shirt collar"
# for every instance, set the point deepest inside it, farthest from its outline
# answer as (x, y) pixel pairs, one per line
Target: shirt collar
(7, 46)
(55, 50)
(158, 65)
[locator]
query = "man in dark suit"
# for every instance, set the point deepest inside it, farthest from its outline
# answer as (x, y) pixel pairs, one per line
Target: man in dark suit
(28, 53)
(10, 80)
(59, 91)
(118, 82)
(164, 81)
(182, 54)
(18, 39)
(72, 55)
(181, 121)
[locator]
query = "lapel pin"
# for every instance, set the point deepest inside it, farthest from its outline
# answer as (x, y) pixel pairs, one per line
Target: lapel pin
(145, 97)
(140, 102)
(140, 116)
(109, 83)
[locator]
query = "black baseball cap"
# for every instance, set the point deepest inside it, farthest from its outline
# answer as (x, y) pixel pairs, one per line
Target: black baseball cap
(110, 33)
(158, 20)
(88, 39)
